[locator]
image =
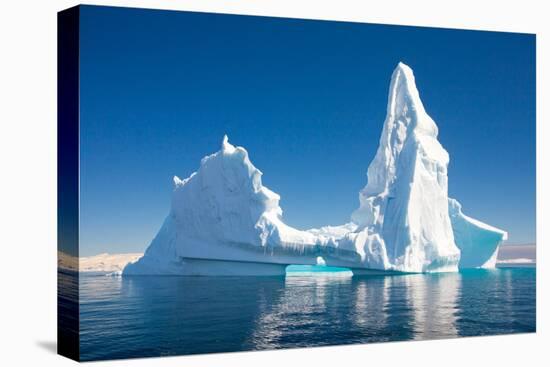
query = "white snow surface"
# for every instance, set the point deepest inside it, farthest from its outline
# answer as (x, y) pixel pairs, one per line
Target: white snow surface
(405, 221)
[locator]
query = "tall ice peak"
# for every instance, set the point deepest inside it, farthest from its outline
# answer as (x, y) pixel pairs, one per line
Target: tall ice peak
(405, 105)
(410, 166)
(406, 121)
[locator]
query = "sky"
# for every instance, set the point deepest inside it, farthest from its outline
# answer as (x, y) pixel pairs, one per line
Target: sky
(307, 99)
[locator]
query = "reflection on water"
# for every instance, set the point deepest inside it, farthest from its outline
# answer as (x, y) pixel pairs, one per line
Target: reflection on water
(152, 316)
(434, 301)
(303, 307)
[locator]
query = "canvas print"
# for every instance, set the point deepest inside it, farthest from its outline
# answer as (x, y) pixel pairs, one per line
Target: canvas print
(238, 183)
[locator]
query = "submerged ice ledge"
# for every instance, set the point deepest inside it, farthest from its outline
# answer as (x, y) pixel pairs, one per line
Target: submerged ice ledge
(223, 221)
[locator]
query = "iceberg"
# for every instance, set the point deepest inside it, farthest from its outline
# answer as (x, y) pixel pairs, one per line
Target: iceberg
(223, 221)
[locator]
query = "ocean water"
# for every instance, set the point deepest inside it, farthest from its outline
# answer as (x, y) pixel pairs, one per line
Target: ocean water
(161, 316)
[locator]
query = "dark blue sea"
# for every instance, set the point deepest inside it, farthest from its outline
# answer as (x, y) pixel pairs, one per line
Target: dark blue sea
(161, 316)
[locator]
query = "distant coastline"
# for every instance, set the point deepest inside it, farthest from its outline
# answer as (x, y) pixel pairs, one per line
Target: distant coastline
(96, 265)
(512, 255)
(509, 255)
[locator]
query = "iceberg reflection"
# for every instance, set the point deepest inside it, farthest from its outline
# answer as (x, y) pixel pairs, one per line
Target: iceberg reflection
(434, 300)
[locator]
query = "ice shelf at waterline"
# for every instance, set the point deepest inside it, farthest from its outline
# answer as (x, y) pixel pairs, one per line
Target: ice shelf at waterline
(223, 221)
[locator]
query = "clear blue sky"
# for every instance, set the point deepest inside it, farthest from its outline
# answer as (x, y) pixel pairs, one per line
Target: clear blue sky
(307, 99)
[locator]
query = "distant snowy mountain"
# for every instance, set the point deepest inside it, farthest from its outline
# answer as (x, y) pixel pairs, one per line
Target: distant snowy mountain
(511, 255)
(98, 264)
(224, 221)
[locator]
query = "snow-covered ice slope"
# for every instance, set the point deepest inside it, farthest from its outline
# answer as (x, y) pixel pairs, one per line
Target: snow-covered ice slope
(224, 221)
(478, 242)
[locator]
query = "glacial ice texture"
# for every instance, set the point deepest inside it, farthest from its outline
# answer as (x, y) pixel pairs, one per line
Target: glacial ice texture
(223, 221)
